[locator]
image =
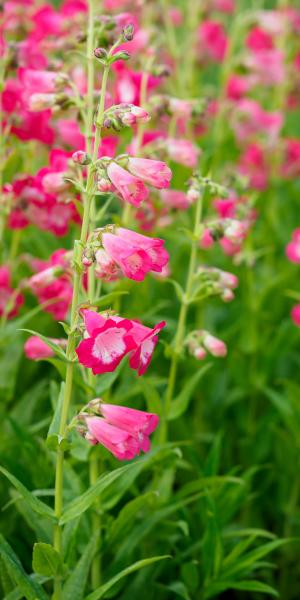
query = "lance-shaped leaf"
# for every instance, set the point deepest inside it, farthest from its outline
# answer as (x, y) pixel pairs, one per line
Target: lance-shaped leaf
(76, 582)
(37, 505)
(46, 560)
(140, 564)
(30, 589)
(181, 402)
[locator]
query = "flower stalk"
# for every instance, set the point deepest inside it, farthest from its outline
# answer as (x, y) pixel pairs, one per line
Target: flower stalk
(78, 250)
(180, 332)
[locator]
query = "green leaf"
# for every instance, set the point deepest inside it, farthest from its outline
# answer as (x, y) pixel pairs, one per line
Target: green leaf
(178, 289)
(53, 438)
(104, 382)
(30, 589)
(37, 505)
(56, 349)
(181, 402)
(245, 562)
(248, 586)
(46, 560)
(108, 298)
(113, 485)
(12, 165)
(76, 582)
(127, 515)
(81, 504)
(140, 564)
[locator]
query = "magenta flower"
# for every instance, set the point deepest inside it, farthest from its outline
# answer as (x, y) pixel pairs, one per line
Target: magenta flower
(36, 349)
(10, 300)
(145, 340)
(108, 343)
(129, 187)
(110, 339)
(295, 314)
(119, 442)
(293, 248)
(135, 254)
(153, 172)
(123, 431)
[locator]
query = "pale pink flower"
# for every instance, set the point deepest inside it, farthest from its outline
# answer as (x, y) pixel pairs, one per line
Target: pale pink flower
(183, 152)
(36, 349)
(153, 172)
(293, 248)
(130, 188)
(175, 199)
(106, 268)
(215, 346)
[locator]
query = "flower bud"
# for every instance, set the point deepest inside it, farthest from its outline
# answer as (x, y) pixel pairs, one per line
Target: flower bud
(128, 119)
(81, 158)
(193, 195)
(104, 185)
(39, 102)
(100, 53)
(128, 33)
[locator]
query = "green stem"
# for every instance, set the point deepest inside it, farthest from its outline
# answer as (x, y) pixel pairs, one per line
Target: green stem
(180, 333)
(94, 472)
(78, 249)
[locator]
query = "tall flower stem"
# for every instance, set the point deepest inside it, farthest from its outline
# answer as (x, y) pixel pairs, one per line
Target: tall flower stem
(180, 333)
(78, 249)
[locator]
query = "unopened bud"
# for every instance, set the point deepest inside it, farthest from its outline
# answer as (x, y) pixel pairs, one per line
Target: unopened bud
(193, 195)
(104, 185)
(81, 158)
(128, 33)
(100, 53)
(39, 102)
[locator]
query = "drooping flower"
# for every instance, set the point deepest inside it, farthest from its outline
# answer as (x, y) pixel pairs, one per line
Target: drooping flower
(137, 422)
(119, 442)
(130, 188)
(153, 172)
(134, 253)
(145, 340)
(37, 349)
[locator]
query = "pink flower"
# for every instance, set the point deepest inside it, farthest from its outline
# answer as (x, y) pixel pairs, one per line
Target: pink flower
(52, 283)
(295, 314)
(153, 172)
(145, 340)
(253, 165)
(258, 40)
(237, 87)
(212, 40)
(137, 422)
(183, 152)
(110, 339)
(119, 442)
(107, 345)
(36, 349)
(175, 199)
(215, 346)
(135, 254)
(129, 187)
(293, 248)
(10, 301)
